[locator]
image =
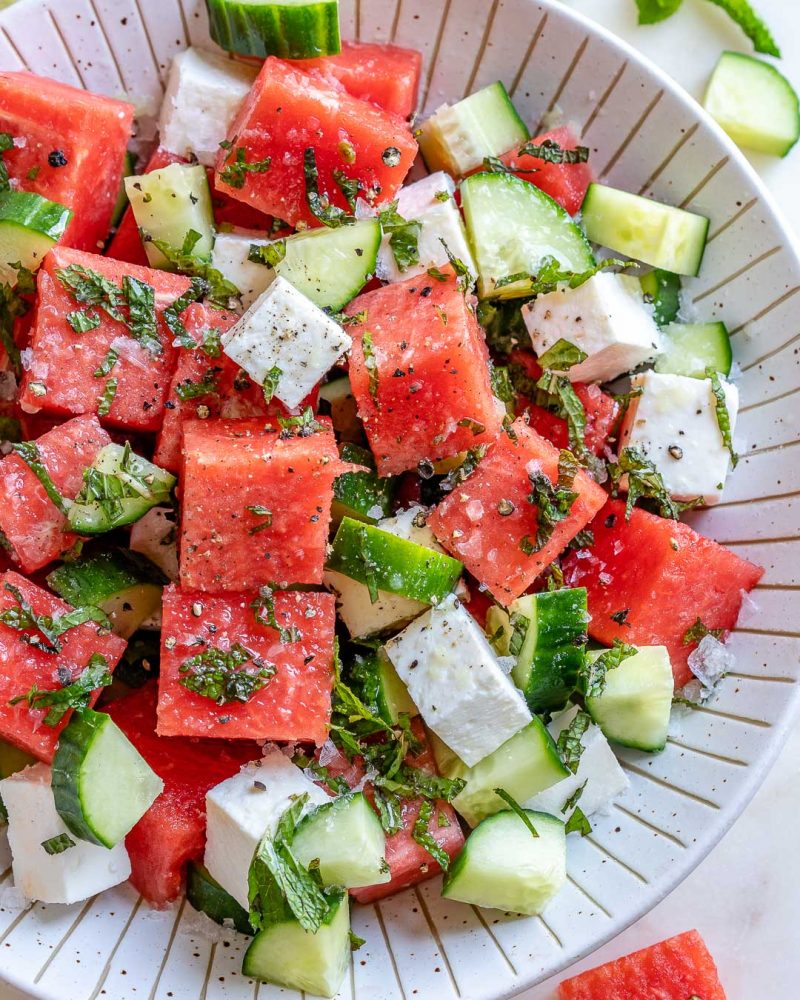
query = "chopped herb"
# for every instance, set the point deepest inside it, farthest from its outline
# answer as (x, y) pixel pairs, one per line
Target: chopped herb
(550, 275)
(551, 152)
(644, 481)
(6, 143)
(573, 800)
(142, 321)
(519, 625)
(556, 393)
(436, 274)
(264, 607)
(75, 695)
(503, 325)
(12, 306)
(133, 478)
(442, 821)
(474, 425)
(502, 387)
(569, 743)
(58, 844)
(33, 173)
(370, 566)
(257, 510)
(465, 277)
(496, 166)
(47, 629)
(440, 312)
(425, 838)
(271, 382)
(578, 823)
(109, 392)
(562, 356)
(236, 168)
(356, 942)
(699, 631)
(221, 675)
(303, 425)
(29, 453)
(740, 11)
(442, 196)
(93, 289)
(723, 416)
(194, 390)
(370, 363)
(403, 236)
(456, 476)
(517, 808)
(83, 321)
(172, 314)
(389, 811)
(348, 187)
(320, 206)
(592, 681)
(268, 254)
(553, 501)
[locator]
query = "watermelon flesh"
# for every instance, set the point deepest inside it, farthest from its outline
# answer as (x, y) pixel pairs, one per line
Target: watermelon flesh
(566, 183)
(676, 969)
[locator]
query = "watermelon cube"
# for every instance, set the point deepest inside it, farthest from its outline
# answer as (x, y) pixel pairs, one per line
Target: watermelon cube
(32, 525)
(663, 575)
(291, 119)
(566, 183)
(69, 372)
(293, 704)
(419, 373)
(70, 147)
(30, 659)
(679, 968)
(256, 503)
(490, 523)
(173, 830)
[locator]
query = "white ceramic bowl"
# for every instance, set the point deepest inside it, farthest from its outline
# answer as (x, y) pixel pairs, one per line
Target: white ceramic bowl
(648, 136)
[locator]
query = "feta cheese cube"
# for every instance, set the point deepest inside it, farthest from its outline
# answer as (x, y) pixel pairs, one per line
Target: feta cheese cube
(455, 680)
(229, 257)
(604, 318)
(598, 768)
(674, 423)
(283, 329)
(77, 873)
(204, 92)
(241, 810)
(439, 219)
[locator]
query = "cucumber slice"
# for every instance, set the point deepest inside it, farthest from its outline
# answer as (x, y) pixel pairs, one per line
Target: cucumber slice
(347, 839)
(167, 204)
(754, 103)
(691, 348)
(361, 496)
(504, 867)
(662, 290)
(457, 138)
(548, 637)
(524, 765)
(126, 588)
(29, 226)
(286, 955)
(101, 784)
(207, 895)
(668, 238)
(364, 617)
(384, 562)
(634, 708)
(373, 678)
(512, 226)
(291, 29)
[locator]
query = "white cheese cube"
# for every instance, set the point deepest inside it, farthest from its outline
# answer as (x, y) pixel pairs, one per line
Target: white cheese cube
(204, 92)
(412, 525)
(229, 257)
(602, 317)
(283, 329)
(456, 682)
(674, 423)
(439, 219)
(77, 873)
(241, 810)
(598, 767)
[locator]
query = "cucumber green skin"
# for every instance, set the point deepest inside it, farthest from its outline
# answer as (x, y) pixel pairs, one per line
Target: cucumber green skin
(92, 519)
(95, 578)
(29, 226)
(74, 744)
(207, 895)
(690, 348)
(358, 494)
(664, 290)
(549, 672)
(287, 30)
(400, 567)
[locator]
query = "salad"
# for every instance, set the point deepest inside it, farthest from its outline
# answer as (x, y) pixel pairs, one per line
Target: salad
(345, 455)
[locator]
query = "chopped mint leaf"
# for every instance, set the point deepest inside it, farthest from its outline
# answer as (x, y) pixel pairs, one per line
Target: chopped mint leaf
(644, 481)
(58, 844)
(209, 281)
(517, 808)
(29, 453)
(271, 382)
(562, 356)
(82, 321)
(319, 205)
(92, 289)
(403, 236)
(142, 322)
(519, 625)
(264, 607)
(356, 942)
(348, 187)
(6, 143)
(553, 501)
(592, 681)
(222, 675)
(723, 416)
(556, 393)
(236, 167)
(551, 274)
(194, 390)
(257, 510)
(699, 631)
(103, 370)
(578, 823)
(740, 11)
(573, 800)
(551, 152)
(370, 363)
(569, 743)
(172, 314)
(269, 254)
(389, 811)
(466, 279)
(74, 695)
(46, 629)
(425, 838)
(474, 425)
(109, 392)
(303, 425)
(653, 11)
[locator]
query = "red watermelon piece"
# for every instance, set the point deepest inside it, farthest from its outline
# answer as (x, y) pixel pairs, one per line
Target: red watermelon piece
(231, 465)
(295, 704)
(35, 528)
(665, 574)
(422, 387)
(566, 183)
(173, 830)
(70, 147)
(288, 112)
(26, 665)
(61, 379)
(679, 968)
(473, 524)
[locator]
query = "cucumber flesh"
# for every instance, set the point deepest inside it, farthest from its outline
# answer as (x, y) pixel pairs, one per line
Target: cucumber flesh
(286, 955)
(207, 895)
(101, 783)
(374, 679)
(669, 238)
(291, 29)
(662, 290)
(524, 765)
(754, 103)
(634, 708)
(512, 227)
(503, 866)
(362, 496)
(691, 348)
(457, 138)
(29, 226)
(338, 395)
(364, 617)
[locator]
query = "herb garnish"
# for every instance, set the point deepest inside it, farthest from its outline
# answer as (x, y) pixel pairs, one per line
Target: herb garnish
(569, 743)
(12, 306)
(592, 682)
(562, 356)
(319, 205)
(699, 631)
(221, 675)
(303, 425)
(257, 510)
(236, 168)
(58, 844)
(370, 363)
(403, 236)
(578, 822)
(193, 390)
(271, 382)
(466, 279)
(517, 808)
(740, 11)
(24, 619)
(74, 695)
(107, 398)
(264, 607)
(425, 838)
(28, 451)
(644, 480)
(348, 187)
(209, 281)
(142, 322)
(550, 275)
(268, 254)
(519, 625)
(553, 501)
(83, 321)
(723, 415)
(551, 152)
(6, 143)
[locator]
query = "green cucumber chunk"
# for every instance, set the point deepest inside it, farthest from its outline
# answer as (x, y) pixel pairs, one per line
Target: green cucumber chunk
(362, 496)
(548, 637)
(29, 226)
(525, 765)
(662, 290)
(691, 348)
(373, 678)
(290, 29)
(382, 561)
(346, 837)
(101, 783)
(634, 708)
(512, 227)
(458, 137)
(169, 203)
(286, 955)
(127, 588)
(503, 866)
(754, 103)
(669, 238)
(207, 895)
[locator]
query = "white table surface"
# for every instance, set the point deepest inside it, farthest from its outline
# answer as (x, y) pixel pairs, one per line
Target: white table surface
(745, 897)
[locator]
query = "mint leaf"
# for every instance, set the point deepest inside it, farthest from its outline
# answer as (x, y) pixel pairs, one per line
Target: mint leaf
(699, 631)
(553, 500)
(569, 743)
(269, 255)
(403, 236)
(723, 416)
(562, 356)
(75, 695)
(236, 167)
(223, 675)
(551, 152)
(517, 808)
(578, 823)
(23, 618)
(751, 24)
(29, 453)
(425, 838)
(319, 205)
(644, 481)
(58, 844)
(592, 681)
(653, 11)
